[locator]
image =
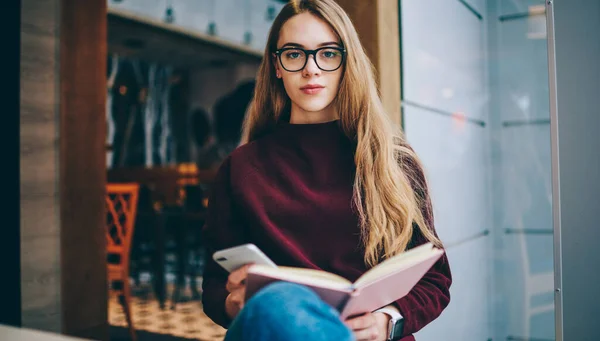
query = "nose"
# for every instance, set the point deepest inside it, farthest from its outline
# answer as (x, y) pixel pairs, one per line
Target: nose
(311, 67)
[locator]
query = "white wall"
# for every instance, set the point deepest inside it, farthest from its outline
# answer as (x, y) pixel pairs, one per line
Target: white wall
(444, 72)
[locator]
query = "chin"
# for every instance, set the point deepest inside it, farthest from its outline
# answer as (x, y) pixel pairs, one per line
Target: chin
(313, 108)
(314, 105)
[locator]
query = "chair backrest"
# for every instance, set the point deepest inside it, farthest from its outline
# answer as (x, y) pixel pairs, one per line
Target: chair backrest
(121, 208)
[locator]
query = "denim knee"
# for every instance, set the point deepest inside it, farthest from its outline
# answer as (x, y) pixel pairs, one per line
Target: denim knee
(283, 294)
(287, 311)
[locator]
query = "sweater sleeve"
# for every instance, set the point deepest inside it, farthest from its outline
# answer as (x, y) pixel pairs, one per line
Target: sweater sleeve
(221, 230)
(431, 295)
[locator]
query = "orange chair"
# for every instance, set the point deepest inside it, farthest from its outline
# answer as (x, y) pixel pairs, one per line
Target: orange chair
(121, 207)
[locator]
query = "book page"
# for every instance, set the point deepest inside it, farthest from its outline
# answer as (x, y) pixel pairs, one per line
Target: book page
(304, 276)
(398, 262)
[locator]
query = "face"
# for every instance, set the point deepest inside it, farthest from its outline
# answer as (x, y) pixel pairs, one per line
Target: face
(311, 89)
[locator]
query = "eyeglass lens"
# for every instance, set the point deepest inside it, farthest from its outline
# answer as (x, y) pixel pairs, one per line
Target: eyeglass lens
(326, 59)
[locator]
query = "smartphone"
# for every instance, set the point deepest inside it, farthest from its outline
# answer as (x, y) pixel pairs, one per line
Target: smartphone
(235, 257)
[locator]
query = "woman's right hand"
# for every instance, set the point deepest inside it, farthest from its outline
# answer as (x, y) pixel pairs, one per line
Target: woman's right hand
(236, 286)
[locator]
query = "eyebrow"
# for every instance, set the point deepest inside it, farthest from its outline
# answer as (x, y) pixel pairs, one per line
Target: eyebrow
(320, 45)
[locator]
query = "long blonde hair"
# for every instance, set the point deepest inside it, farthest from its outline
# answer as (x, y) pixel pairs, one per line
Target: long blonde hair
(386, 187)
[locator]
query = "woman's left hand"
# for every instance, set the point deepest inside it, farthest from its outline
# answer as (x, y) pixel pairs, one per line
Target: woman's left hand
(371, 326)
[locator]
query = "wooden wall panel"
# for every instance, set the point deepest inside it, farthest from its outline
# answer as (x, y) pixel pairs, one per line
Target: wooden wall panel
(377, 23)
(62, 166)
(83, 167)
(10, 243)
(40, 239)
(389, 56)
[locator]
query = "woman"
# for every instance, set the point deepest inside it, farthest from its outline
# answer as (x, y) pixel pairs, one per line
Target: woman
(322, 181)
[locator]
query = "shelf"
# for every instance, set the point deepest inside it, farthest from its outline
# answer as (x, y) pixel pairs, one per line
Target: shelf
(153, 40)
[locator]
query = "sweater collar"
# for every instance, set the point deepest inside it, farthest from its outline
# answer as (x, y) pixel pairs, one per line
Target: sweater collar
(318, 136)
(309, 127)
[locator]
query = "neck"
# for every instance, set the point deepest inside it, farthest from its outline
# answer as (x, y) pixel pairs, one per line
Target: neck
(301, 116)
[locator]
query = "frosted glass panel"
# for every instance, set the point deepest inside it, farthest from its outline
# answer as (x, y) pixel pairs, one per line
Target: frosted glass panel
(478, 5)
(506, 7)
(455, 155)
(528, 185)
(523, 71)
(526, 275)
(446, 65)
(489, 174)
(466, 317)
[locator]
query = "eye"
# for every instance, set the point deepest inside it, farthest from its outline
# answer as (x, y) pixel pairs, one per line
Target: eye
(293, 54)
(329, 54)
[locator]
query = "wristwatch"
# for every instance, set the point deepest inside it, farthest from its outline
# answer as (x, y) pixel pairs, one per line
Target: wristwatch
(396, 324)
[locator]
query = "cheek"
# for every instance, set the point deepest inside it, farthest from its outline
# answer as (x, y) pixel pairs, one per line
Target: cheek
(289, 83)
(335, 81)
(333, 86)
(338, 77)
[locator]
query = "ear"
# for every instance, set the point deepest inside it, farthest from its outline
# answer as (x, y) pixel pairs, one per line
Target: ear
(276, 64)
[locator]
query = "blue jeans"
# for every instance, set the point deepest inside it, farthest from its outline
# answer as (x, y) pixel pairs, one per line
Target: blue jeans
(285, 311)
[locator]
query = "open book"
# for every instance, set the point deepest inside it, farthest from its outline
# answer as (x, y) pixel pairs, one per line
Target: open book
(381, 285)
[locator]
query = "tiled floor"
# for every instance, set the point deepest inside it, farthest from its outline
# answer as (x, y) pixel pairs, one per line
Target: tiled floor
(187, 320)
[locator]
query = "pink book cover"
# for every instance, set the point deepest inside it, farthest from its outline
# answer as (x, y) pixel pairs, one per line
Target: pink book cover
(382, 291)
(355, 299)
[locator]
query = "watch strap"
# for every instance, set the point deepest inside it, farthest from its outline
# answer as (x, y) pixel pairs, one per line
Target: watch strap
(395, 315)
(396, 324)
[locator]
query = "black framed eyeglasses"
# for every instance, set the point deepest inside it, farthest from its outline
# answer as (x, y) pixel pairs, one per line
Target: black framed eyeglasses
(294, 59)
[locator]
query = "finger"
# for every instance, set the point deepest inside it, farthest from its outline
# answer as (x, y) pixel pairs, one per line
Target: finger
(361, 322)
(239, 275)
(368, 334)
(242, 293)
(232, 287)
(237, 279)
(238, 297)
(234, 299)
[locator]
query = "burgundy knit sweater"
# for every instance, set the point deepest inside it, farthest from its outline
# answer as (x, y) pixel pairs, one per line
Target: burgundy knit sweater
(290, 193)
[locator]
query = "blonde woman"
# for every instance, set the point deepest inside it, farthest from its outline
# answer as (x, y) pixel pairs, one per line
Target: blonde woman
(322, 181)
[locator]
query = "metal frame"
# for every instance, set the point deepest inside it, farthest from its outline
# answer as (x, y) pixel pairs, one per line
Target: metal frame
(558, 298)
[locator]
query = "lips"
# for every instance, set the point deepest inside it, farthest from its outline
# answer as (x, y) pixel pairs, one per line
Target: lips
(311, 89)
(312, 86)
